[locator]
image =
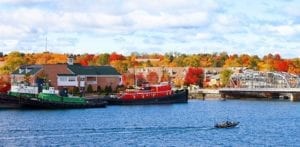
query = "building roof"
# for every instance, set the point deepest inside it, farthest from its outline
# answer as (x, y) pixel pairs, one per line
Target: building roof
(66, 75)
(93, 70)
(28, 69)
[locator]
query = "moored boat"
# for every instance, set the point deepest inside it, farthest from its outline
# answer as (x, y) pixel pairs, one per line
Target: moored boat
(7, 101)
(28, 97)
(149, 94)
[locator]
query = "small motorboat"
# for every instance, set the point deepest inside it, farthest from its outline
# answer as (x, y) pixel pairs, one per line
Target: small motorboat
(226, 124)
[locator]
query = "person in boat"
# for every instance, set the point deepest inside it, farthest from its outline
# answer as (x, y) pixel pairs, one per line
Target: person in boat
(228, 123)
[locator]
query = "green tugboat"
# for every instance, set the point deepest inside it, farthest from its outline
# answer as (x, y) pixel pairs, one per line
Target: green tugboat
(49, 98)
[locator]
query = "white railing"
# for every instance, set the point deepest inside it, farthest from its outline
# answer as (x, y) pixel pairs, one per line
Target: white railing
(168, 92)
(67, 83)
(51, 90)
(260, 89)
(24, 89)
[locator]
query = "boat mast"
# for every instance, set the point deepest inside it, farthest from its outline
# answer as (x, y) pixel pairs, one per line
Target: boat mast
(134, 79)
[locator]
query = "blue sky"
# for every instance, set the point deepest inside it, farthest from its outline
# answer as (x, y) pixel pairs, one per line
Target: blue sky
(255, 27)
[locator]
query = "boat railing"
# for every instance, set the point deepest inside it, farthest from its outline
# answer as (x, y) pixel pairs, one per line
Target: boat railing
(166, 92)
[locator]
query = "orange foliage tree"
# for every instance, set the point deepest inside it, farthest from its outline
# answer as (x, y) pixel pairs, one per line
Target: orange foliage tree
(152, 77)
(165, 77)
(86, 59)
(128, 79)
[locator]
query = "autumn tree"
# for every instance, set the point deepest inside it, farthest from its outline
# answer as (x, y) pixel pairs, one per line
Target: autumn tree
(103, 59)
(281, 65)
(121, 66)
(114, 56)
(128, 79)
(192, 61)
(152, 77)
(165, 77)
(4, 83)
(254, 60)
(233, 61)
(194, 76)
(180, 60)
(85, 60)
(294, 66)
(225, 76)
(13, 61)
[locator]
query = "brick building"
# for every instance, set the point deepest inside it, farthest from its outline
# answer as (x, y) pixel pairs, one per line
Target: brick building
(67, 75)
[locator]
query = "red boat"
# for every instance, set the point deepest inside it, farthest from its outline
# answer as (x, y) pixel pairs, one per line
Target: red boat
(149, 94)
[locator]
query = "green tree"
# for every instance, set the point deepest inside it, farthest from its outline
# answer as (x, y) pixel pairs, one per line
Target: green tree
(103, 59)
(225, 76)
(192, 61)
(99, 90)
(107, 90)
(90, 89)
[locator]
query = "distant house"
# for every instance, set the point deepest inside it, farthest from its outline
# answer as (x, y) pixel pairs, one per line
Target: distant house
(1, 54)
(173, 72)
(24, 73)
(68, 75)
(212, 76)
(82, 76)
(147, 59)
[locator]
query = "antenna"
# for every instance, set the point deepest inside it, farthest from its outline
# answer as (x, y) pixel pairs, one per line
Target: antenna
(46, 45)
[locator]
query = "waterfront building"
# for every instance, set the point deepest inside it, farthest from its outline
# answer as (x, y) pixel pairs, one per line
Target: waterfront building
(67, 75)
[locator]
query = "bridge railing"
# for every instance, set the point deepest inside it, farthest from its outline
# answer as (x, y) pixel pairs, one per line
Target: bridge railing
(256, 79)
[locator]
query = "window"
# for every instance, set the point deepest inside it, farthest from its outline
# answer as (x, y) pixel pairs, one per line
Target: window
(63, 79)
(82, 78)
(72, 79)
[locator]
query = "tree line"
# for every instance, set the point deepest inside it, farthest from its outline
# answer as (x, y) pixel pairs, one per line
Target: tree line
(270, 62)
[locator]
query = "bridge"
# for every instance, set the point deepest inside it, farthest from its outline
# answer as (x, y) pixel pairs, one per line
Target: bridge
(263, 84)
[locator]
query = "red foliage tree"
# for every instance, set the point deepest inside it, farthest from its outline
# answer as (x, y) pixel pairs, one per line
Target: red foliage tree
(152, 77)
(4, 85)
(194, 76)
(114, 56)
(281, 65)
(86, 59)
(129, 79)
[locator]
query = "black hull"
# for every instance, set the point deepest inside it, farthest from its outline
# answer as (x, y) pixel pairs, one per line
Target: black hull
(9, 101)
(22, 102)
(35, 103)
(178, 97)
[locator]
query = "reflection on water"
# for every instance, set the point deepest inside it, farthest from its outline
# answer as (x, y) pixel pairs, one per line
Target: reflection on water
(261, 123)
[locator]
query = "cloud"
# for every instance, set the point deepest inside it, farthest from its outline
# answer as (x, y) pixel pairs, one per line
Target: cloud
(293, 10)
(144, 20)
(203, 36)
(142, 25)
(156, 40)
(286, 30)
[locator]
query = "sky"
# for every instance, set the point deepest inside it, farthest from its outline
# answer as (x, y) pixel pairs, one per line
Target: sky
(255, 27)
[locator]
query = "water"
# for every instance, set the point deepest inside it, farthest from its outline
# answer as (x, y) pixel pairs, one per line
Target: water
(274, 123)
